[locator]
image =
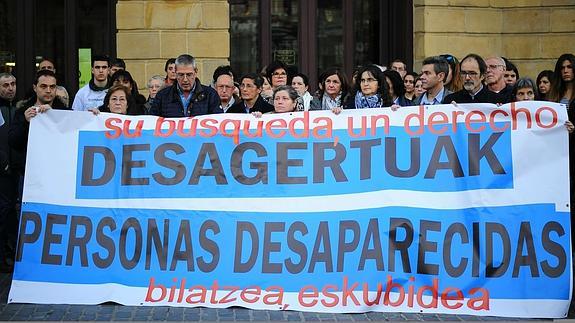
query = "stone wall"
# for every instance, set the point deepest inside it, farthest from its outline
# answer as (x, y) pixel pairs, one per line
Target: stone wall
(531, 33)
(150, 32)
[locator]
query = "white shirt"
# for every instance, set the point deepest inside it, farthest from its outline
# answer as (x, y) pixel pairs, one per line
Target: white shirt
(86, 98)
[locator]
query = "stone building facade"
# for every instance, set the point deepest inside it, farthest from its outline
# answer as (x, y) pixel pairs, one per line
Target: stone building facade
(531, 33)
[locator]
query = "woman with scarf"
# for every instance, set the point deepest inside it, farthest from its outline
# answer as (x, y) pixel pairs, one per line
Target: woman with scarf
(334, 89)
(371, 90)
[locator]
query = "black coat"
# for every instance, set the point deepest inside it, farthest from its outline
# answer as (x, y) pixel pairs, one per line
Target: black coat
(261, 105)
(483, 96)
(18, 132)
(205, 100)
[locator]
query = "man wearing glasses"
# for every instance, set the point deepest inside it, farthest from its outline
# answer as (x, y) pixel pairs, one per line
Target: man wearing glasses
(473, 69)
(494, 77)
(187, 97)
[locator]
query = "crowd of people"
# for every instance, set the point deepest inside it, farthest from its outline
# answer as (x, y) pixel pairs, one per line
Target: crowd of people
(443, 79)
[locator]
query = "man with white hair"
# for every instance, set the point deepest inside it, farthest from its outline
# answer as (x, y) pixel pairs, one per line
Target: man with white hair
(494, 78)
(187, 97)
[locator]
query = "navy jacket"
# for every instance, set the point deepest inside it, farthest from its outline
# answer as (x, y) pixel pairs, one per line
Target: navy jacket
(205, 100)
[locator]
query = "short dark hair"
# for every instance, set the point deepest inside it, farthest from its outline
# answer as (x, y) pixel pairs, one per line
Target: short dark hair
(168, 62)
(509, 66)
(46, 59)
(222, 70)
(101, 58)
(480, 61)
(41, 73)
(398, 60)
(273, 66)
(258, 79)
(440, 65)
(303, 77)
(123, 74)
(118, 62)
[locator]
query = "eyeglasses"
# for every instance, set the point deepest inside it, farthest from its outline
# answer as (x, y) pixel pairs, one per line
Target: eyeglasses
(465, 74)
(368, 80)
(493, 67)
(185, 75)
(279, 74)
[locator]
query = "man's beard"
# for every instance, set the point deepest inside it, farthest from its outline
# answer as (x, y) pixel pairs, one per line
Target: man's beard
(469, 86)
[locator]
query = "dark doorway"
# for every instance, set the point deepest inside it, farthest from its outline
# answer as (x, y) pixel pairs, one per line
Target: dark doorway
(314, 35)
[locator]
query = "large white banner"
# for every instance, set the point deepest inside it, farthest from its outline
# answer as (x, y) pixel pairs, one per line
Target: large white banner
(442, 209)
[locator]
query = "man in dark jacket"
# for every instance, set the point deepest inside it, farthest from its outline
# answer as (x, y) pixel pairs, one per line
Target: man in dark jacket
(8, 178)
(187, 97)
(473, 69)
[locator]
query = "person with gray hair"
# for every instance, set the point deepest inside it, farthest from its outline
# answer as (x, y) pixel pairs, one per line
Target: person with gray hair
(524, 90)
(494, 78)
(187, 97)
(154, 85)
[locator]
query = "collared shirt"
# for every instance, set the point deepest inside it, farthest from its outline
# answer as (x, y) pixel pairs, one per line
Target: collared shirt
(186, 101)
(230, 103)
(474, 94)
(436, 100)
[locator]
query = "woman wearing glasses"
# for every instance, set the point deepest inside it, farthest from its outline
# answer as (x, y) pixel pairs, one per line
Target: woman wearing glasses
(371, 90)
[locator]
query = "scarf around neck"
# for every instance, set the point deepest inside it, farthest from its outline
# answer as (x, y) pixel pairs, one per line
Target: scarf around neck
(367, 102)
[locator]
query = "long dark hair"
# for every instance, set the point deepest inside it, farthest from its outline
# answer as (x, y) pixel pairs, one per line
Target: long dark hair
(558, 86)
(382, 87)
(396, 82)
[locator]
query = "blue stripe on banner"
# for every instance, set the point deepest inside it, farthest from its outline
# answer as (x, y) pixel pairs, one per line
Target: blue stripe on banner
(513, 252)
(153, 167)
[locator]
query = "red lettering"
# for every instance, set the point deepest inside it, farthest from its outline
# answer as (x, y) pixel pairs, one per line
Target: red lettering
(515, 112)
(159, 132)
(350, 127)
(281, 123)
(302, 295)
(325, 291)
(445, 298)
(235, 131)
(419, 117)
(110, 124)
(151, 286)
(553, 115)
(256, 292)
(442, 120)
(492, 120)
(469, 121)
(211, 128)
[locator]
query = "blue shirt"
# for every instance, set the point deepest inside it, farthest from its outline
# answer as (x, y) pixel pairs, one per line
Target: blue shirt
(186, 101)
(436, 100)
